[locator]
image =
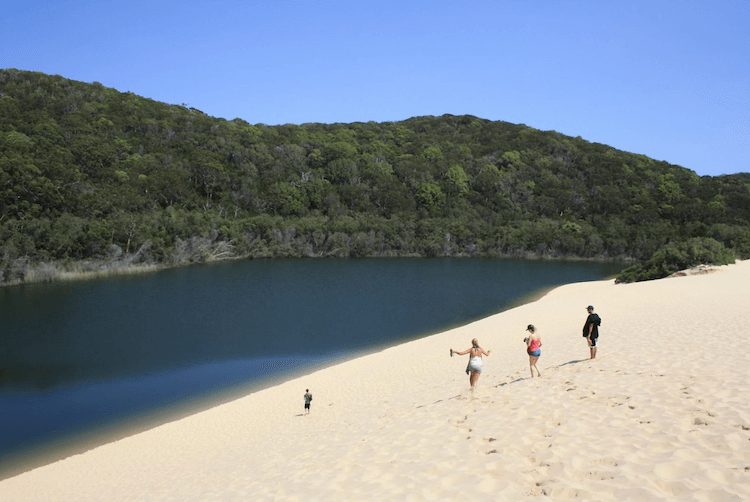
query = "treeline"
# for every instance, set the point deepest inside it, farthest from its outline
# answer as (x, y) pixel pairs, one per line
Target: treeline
(88, 173)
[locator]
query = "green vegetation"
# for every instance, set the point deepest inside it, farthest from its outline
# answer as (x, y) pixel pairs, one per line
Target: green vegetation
(92, 175)
(675, 257)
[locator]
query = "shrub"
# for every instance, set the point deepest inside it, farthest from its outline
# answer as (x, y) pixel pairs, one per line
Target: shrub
(674, 257)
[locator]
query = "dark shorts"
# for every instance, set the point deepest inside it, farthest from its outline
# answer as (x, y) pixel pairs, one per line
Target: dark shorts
(536, 353)
(307, 406)
(593, 341)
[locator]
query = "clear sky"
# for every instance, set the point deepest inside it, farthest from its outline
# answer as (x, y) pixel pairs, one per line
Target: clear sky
(669, 79)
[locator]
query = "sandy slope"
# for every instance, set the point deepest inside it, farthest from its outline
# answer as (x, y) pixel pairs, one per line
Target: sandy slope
(662, 413)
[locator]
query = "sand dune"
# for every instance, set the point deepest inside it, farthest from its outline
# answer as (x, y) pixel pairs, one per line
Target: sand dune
(662, 413)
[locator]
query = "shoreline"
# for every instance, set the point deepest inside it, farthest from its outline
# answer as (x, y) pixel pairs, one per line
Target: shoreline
(401, 421)
(43, 274)
(57, 272)
(80, 442)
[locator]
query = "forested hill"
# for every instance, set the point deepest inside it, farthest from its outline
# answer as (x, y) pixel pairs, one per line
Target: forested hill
(92, 175)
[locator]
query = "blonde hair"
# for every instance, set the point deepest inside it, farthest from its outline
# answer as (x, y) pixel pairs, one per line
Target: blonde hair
(475, 343)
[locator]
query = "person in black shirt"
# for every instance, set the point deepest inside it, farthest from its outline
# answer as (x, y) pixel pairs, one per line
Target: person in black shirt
(591, 330)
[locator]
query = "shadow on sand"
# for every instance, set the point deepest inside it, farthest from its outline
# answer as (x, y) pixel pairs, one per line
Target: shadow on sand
(574, 361)
(503, 384)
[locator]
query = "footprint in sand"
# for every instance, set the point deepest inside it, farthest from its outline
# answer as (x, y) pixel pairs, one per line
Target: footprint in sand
(600, 475)
(618, 400)
(700, 421)
(606, 461)
(536, 491)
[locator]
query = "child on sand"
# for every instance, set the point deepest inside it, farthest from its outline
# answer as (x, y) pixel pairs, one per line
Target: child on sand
(308, 400)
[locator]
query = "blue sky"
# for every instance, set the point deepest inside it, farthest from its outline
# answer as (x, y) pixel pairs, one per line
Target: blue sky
(669, 79)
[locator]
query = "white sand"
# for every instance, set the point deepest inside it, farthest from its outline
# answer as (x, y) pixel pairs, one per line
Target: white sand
(662, 413)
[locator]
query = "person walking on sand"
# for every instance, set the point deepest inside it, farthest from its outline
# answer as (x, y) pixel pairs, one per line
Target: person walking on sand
(533, 349)
(308, 400)
(591, 330)
(474, 368)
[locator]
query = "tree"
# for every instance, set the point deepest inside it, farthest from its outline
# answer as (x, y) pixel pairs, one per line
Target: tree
(457, 180)
(285, 199)
(430, 196)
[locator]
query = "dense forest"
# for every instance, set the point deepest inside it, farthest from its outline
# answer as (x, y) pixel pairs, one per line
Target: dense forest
(92, 178)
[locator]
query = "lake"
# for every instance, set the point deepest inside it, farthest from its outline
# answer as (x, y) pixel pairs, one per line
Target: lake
(77, 356)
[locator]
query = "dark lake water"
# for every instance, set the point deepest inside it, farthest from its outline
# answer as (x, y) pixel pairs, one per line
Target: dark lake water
(80, 355)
